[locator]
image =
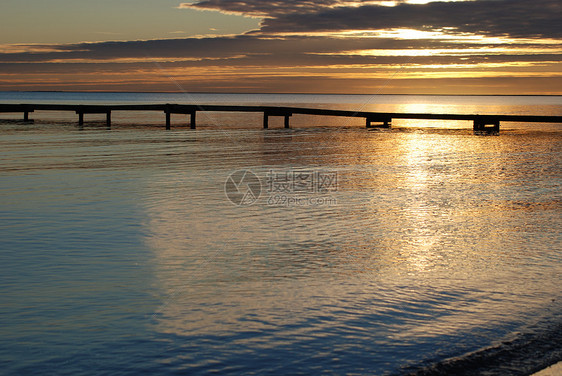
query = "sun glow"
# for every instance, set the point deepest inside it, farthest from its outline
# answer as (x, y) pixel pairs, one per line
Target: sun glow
(449, 51)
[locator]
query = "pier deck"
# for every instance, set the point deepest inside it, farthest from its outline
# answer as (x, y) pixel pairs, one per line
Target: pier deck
(481, 123)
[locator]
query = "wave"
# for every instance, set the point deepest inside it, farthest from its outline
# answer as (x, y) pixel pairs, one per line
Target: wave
(530, 351)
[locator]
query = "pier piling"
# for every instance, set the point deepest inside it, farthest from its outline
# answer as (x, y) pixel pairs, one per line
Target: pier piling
(272, 111)
(287, 125)
(192, 120)
(486, 125)
(190, 110)
(383, 122)
(82, 110)
(168, 121)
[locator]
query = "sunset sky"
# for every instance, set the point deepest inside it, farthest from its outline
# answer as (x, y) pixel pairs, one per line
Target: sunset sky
(297, 46)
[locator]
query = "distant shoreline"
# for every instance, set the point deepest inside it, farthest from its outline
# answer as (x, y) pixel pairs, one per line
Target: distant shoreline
(261, 93)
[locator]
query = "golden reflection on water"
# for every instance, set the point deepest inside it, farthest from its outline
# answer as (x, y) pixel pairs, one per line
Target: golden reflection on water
(419, 215)
(415, 151)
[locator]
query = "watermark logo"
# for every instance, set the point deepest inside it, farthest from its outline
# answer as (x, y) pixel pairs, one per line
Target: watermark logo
(243, 187)
(301, 181)
(283, 187)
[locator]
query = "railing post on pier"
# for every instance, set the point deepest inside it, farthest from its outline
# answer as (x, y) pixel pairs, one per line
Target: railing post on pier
(265, 120)
(108, 119)
(80, 118)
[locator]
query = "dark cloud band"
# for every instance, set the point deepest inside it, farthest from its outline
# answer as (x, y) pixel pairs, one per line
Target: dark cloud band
(213, 48)
(515, 18)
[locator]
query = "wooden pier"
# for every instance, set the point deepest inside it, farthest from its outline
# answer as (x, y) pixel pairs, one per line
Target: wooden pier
(481, 123)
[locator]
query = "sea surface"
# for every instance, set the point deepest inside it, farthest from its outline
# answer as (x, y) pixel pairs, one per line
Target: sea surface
(326, 248)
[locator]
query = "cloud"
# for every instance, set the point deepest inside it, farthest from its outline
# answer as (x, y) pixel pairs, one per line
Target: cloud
(259, 49)
(252, 55)
(272, 8)
(209, 47)
(323, 45)
(515, 18)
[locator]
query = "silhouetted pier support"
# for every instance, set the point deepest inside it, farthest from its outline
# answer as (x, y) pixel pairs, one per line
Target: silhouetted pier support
(81, 110)
(486, 124)
(24, 108)
(168, 120)
(287, 124)
(192, 120)
(382, 122)
(277, 112)
(170, 109)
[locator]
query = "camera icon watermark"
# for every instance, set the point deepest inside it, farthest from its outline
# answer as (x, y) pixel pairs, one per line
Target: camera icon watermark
(292, 187)
(243, 187)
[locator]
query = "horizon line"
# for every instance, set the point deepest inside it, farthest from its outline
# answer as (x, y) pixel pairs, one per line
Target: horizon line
(275, 93)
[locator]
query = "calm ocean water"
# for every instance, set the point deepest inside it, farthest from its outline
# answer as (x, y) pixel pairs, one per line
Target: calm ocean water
(323, 249)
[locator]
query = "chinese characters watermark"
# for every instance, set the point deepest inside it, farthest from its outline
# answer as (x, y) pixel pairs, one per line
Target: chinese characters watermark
(293, 187)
